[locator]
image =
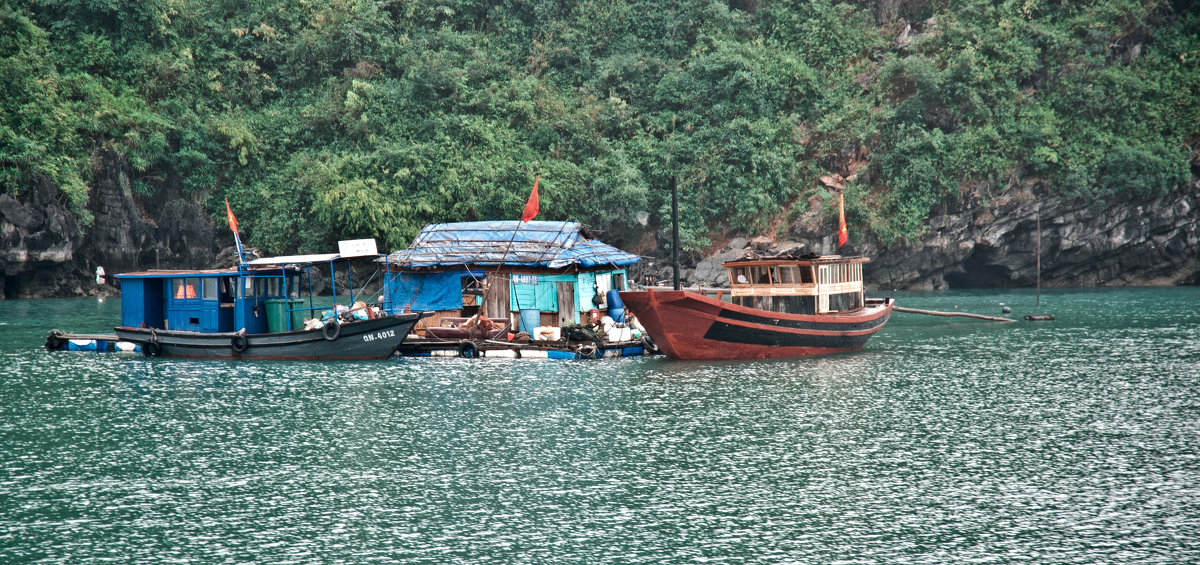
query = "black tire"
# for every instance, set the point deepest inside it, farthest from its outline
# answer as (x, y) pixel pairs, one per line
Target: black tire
(151, 349)
(588, 351)
(238, 343)
(331, 330)
(468, 350)
(648, 344)
(53, 341)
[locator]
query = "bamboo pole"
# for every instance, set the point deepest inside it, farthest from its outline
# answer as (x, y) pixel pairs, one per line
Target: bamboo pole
(1039, 255)
(951, 314)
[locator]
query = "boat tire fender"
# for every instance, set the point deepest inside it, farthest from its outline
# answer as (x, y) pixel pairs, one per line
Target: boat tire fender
(151, 349)
(648, 344)
(331, 330)
(588, 351)
(468, 350)
(238, 343)
(54, 340)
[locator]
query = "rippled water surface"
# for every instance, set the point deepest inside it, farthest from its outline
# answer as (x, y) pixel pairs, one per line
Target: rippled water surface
(943, 441)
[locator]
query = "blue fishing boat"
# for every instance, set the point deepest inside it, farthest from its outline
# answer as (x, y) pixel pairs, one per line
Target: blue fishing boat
(263, 309)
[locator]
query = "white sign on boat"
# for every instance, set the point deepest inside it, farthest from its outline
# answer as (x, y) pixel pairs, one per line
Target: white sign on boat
(357, 248)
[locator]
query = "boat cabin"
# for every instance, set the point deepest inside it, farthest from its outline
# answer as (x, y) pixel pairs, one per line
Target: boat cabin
(266, 295)
(808, 285)
(205, 301)
(528, 274)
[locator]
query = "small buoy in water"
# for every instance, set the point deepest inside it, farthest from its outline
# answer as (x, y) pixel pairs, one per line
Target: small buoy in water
(1006, 310)
(99, 300)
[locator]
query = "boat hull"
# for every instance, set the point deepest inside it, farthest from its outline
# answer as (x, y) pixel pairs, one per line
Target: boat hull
(371, 339)
(687, 325)
(425, 347)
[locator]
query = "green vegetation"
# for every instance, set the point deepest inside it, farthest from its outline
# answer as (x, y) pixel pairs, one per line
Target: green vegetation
(356, 118)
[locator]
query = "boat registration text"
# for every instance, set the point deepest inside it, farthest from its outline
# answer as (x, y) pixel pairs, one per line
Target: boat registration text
(379, 335)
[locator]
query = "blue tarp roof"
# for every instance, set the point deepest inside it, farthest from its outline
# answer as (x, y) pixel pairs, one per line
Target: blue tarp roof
(553, 245)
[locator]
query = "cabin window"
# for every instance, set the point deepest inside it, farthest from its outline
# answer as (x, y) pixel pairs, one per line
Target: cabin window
(247, 288)
(845, 301)
(185, 289)
(603, 285)
(788, 275)
(210, 288)
(228, 289)
(806, 275)
(760, 275)
(782, 304)
(618, 281)
(739, 275)
(798, 304)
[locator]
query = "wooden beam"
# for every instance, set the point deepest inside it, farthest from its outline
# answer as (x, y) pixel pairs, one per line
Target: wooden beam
(951, 314)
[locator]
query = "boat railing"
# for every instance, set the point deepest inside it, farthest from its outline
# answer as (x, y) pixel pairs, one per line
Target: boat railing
(718, 293)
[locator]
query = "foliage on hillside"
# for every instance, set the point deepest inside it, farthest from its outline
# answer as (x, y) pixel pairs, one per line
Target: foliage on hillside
(356, 118)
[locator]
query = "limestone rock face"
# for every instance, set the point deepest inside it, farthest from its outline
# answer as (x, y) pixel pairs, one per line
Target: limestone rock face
(981, 241)
(1083, 243)
(993, 243)
(47, 252)
(41, 238)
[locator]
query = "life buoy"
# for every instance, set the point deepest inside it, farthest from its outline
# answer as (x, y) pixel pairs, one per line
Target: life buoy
(238, 343)
(151, 349)
(468, 350)
(648, 344)
(331, 330)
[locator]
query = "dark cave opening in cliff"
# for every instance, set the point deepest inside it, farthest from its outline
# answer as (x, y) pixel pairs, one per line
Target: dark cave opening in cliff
(979, 272)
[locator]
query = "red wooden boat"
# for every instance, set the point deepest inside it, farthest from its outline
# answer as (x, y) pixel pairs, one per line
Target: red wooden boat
(780, 306)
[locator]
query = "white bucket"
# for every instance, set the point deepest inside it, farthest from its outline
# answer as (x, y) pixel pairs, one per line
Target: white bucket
(619, 333)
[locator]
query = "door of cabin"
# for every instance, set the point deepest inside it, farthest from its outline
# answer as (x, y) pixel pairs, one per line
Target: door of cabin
(497, 305)
(566, 303)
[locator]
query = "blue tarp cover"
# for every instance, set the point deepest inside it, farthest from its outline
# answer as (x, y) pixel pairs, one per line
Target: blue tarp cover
(427, 291)
(553, 245)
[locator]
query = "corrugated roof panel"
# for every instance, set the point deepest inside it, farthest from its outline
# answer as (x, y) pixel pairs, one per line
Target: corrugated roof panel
(514, 243)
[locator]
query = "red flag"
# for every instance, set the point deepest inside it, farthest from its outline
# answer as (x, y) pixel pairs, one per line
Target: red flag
(531, 206)
(841, 221)
(232, 220)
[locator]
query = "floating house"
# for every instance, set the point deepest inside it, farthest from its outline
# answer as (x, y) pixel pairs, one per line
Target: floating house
(528, 274)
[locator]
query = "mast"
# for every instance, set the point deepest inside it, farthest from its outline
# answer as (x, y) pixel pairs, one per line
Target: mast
(675, 229)
(1039, 255)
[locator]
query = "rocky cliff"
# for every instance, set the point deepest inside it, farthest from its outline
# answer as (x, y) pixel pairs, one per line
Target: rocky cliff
(993, 242)
(47, 252)
(981, 241)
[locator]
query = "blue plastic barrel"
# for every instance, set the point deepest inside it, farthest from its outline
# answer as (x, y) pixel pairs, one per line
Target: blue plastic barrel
(616, 308)
(530, 320)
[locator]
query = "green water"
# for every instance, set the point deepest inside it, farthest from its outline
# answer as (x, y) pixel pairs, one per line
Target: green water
(943, 441)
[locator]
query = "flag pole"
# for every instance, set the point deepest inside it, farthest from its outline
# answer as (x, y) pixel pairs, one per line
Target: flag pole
(530, 211)
(675, 230)
(233, 225)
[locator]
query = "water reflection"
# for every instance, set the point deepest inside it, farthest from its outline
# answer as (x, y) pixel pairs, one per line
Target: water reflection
(947, 441)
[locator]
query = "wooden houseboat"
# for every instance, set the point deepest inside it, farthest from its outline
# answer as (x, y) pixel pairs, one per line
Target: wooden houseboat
(515, 277)
(779, 306)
